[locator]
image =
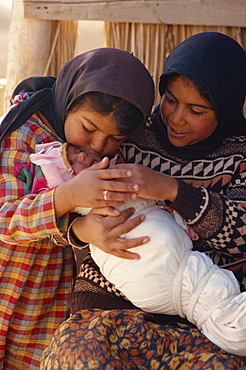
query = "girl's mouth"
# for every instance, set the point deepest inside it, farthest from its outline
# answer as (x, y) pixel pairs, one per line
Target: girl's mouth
(175, 133)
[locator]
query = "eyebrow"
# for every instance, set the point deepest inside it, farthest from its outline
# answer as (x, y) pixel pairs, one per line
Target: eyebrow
(194, 105)
(93, 124)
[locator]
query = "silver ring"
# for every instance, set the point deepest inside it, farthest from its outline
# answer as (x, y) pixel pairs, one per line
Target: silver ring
(105, 194)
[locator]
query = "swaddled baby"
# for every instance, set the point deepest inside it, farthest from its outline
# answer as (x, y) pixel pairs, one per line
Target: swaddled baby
(169, 278)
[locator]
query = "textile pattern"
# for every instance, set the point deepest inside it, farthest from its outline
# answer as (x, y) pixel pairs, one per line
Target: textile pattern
(35, 274)
(128, 340)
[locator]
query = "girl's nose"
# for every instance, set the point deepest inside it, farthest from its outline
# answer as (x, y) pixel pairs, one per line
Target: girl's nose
(177, 116)
(98, 146)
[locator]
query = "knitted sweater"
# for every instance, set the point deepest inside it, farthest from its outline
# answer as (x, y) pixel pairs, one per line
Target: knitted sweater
(211, 192)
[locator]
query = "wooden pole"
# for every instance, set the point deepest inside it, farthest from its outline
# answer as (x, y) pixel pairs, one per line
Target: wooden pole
(29, 48)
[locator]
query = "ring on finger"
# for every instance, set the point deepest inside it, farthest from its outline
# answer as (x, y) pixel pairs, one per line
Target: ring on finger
(105, 194)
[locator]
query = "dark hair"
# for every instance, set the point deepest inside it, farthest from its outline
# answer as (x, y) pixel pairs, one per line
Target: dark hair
(128, 117)
(186, 81)
(173, 77)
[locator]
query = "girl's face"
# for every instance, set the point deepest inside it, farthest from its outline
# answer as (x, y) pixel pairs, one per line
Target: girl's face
(92, 131)
(187, 115)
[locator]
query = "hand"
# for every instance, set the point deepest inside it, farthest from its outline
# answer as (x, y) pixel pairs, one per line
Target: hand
(152, 184)
(86, 189)
(103, 228)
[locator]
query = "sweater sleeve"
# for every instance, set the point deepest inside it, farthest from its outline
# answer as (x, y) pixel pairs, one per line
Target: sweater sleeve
(23, 217)
(219, 220)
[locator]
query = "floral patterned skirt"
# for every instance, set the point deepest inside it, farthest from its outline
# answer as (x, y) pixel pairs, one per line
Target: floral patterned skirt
(129, 339)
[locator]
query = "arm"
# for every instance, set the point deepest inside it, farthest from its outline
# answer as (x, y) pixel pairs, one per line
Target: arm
(23, 217)
(216, 214)
(219, 219)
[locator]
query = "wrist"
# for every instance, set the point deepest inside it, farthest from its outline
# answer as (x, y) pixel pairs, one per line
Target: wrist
(73, 238)
(173, 189)
(62, 200)
(169, 189)
(190, 201)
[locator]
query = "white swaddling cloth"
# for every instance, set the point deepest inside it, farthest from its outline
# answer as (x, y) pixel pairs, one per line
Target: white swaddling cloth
(172, 279)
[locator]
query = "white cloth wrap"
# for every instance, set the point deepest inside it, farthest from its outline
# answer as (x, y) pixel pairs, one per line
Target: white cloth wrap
(211, 299)
(172, 279)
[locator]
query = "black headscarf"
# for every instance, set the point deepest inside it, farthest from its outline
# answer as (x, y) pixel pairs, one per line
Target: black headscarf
(217, 65)
(106, 70)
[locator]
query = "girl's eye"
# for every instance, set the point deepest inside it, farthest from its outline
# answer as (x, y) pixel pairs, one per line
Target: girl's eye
(168, 99)
(86, 129)
(196, 112)
(118, 140)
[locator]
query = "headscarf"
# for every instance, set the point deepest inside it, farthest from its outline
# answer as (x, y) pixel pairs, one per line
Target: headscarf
(106, 70)
(217, 65)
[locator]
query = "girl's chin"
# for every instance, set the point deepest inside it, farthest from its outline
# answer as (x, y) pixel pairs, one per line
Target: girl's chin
(177, 142)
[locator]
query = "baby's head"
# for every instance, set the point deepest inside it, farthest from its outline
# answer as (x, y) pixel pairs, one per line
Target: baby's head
(79, 159)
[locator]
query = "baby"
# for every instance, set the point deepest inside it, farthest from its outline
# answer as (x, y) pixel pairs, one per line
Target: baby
(169, 278)
(54, 167)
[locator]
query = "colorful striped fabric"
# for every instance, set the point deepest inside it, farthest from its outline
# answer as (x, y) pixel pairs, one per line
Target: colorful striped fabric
(35, 274)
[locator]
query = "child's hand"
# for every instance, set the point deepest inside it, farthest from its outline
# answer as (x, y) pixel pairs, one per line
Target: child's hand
(87, 188)
(103, 227)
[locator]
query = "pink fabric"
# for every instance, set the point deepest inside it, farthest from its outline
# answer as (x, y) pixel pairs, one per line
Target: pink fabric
(49, 157)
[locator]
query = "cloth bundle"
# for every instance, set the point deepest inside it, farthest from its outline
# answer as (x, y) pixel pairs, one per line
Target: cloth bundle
(172, 279)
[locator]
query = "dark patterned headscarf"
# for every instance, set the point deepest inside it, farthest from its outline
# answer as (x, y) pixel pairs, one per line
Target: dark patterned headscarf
(217, 65)
(106, 70)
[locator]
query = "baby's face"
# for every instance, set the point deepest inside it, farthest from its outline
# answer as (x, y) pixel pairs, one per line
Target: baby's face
(79, 159)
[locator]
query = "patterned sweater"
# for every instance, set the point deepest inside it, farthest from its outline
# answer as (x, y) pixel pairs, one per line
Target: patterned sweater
(211, 196)
(35, 273)
(214, 206)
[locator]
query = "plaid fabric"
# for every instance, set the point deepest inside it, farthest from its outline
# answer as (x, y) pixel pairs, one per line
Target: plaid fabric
(35, 274)
(128, 340)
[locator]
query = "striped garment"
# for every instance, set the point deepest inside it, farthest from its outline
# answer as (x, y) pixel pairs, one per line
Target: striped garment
(35, 273)
(214, 206)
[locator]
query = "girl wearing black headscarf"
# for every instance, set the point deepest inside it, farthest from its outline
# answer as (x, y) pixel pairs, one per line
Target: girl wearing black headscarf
(93, 104)
(191, 154)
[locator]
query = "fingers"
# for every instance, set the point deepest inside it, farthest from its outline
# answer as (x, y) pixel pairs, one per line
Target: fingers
(106, 211)
(101, 165)
(112, 199)
(122, 246)
(107, 232)
(118, 186)
(126, 254)
(111, 173)
(106, 184)
(123, 225)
